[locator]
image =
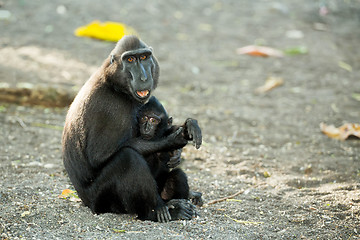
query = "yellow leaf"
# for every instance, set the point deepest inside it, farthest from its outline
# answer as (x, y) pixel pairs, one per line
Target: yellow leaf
(67, 192)
(266, 174)
(108, 31)
(70, 195)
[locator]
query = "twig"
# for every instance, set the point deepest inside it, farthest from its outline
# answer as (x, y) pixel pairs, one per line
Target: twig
(21, 122)
(231, 196)
(225, 198)
(43, 125)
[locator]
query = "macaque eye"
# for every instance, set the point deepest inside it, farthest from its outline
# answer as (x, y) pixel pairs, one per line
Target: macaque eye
(143, 57)
(154, 120)
(144, 119)
(131, 59)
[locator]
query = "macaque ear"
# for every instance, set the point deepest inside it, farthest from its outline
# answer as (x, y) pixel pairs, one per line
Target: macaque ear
(170, 121)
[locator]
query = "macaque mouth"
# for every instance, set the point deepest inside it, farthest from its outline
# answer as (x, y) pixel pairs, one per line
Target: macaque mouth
(143, 93)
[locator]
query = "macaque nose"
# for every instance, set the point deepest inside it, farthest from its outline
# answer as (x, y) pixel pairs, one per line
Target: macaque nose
(143, 75)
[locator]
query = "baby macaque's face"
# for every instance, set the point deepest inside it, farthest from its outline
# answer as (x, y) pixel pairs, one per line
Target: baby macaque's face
(148, 125)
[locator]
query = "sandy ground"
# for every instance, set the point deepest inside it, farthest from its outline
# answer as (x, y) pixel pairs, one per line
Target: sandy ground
(297, 183)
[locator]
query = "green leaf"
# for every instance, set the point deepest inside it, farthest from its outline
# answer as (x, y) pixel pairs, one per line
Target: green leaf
(356, 96)
(345, 66)
(2, 109)
(296, 50)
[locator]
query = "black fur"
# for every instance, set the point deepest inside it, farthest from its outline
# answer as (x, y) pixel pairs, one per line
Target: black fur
(172, 184)
(101, 152)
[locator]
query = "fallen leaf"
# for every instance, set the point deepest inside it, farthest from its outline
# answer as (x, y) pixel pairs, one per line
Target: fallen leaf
(296, 50)
(108, 31)
(345, 66)
(2, 109)
(70, 195)
(266, 174)
(260, 51)
(67, 192)
(355, 96)
(342, 132)
(270, 83)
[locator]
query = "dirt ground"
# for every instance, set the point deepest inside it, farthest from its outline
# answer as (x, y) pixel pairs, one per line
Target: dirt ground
(297, 183)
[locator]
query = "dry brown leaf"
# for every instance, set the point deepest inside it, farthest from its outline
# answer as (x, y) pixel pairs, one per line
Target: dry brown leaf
(270, 83)
(260, 51)
(342, 132)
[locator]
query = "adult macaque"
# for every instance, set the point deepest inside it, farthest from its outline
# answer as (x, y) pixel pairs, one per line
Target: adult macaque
(102, 153)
